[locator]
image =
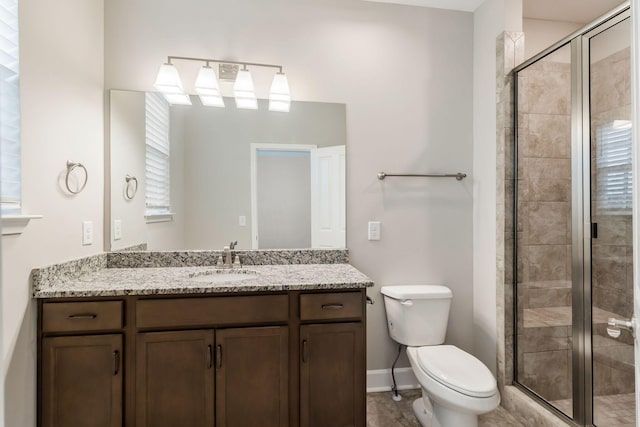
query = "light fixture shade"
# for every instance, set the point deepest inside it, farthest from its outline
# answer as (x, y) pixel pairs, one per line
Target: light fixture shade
(622, 124)
(207, 82)
(168, 80)
(177, 98)
(244, 92)
(280, 95)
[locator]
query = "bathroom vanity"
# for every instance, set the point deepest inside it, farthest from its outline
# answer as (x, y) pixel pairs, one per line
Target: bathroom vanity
(166, 347)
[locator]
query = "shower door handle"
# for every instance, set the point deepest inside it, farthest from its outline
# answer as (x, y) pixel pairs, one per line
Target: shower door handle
(614, 326)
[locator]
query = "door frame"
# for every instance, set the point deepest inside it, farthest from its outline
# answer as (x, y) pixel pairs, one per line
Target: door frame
(635, 117)
(254, 148)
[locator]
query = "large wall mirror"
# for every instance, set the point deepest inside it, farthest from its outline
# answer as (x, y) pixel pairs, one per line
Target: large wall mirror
(195, 177)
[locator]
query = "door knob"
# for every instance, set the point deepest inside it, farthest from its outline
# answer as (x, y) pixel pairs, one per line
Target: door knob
(614, 326)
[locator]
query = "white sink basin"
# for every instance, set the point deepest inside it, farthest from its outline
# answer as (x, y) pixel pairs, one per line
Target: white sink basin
(222, 276)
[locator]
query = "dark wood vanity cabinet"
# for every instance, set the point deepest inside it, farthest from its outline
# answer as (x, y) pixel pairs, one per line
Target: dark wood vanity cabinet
(256, 360)
(332, 375)
(81, 382)
(332, 369)
(252, 376)
(174, 379)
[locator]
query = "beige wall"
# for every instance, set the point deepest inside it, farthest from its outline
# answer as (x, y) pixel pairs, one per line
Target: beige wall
(540, 34)
(490, 20)
(62, 118)
(405, 74)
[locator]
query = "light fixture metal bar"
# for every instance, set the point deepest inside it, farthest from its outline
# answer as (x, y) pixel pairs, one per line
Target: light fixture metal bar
(220, 61)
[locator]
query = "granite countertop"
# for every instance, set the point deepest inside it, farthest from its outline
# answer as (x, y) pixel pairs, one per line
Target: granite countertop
(195, 280)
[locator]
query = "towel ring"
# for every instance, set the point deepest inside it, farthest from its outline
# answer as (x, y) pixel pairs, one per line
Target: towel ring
(131, 188)
(71, 166)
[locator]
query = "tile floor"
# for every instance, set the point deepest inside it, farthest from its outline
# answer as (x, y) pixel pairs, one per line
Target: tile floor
(382, 411)
(611, 411)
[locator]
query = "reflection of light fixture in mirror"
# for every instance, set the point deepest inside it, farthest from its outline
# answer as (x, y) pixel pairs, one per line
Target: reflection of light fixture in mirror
(207, 87)
(280, 96)
(244, 92)
(622, 124)
(169, 84)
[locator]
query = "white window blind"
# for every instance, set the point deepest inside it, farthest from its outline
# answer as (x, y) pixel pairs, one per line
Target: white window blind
(10, 176)
(614, 173)
(157, 155)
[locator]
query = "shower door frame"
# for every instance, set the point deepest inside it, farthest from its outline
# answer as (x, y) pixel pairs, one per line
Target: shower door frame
(581, 225)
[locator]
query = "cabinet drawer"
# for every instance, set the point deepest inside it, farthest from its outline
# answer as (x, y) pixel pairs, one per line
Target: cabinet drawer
(81, 316)
(212, 311)
(331, 306)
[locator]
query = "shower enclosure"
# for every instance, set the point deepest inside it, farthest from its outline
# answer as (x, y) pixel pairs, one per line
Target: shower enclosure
(572, 227)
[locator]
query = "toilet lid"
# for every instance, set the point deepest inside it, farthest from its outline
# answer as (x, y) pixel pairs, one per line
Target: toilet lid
(457, 369)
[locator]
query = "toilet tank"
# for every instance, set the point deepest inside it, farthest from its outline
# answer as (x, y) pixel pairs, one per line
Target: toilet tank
(417, 315)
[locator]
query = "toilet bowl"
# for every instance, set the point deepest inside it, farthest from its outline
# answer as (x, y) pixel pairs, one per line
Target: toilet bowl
(456, 387)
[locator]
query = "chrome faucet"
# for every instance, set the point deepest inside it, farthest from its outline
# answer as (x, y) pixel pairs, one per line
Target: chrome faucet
(228, 254)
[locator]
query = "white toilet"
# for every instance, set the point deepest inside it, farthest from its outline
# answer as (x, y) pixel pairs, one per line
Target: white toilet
(456, 387)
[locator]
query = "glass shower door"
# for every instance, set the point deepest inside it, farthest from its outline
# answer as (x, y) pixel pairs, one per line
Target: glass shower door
(611, 215)
(544, 234)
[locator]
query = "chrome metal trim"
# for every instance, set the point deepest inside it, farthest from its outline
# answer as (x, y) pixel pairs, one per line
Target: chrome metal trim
(587, 302)
(221, 61)
(566, 40)
(459, 175)
(577, 232)
(514, 274)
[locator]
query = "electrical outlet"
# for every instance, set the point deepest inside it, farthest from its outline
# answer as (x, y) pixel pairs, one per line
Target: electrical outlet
(117, 229)
(87, 232)
(242, 221)
(374, 230)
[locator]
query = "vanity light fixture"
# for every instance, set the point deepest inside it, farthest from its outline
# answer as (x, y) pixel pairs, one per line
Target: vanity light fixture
(622, 124)
(280, 96)
(206, 85)
(244, 91)
(168, 83)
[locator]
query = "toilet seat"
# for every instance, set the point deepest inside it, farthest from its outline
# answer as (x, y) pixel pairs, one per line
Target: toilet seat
(457, 369)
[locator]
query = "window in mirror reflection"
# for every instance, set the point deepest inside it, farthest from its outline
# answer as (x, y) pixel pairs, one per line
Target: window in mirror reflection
(157, 155)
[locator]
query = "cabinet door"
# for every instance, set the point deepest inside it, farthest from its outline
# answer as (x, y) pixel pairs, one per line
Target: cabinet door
(332, 377)
(252, 377)
(82, 381)
(174, 379)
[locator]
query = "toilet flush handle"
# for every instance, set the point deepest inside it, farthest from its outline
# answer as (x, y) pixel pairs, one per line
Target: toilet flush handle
(406, 302)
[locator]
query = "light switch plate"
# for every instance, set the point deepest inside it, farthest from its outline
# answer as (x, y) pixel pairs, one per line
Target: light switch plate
(242, 221)
(374, 230)
(87, 232)
(117, 229)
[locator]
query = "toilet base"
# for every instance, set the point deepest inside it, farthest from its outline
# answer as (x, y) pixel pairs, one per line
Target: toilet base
(441, 416)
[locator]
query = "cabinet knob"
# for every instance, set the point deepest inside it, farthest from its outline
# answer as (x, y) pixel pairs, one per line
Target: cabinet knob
(332, 306)
(305, 346)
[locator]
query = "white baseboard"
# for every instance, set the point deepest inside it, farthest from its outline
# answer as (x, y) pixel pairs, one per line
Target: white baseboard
(380, 380)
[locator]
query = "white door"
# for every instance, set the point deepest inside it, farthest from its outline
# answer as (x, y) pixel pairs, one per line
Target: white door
(328, 201)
